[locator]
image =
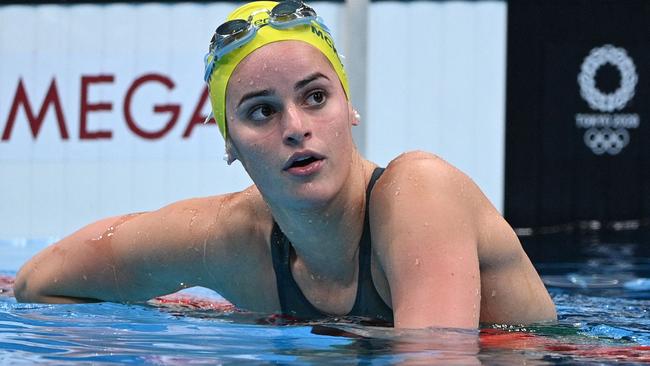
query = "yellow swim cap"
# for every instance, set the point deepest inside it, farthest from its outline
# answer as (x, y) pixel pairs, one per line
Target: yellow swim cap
(258, 12)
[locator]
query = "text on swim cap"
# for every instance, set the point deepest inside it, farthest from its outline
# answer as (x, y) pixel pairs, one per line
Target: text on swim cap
(325, 38)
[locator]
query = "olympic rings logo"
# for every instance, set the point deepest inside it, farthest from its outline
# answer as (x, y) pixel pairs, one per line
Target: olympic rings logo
(606, 140)
(587, 81)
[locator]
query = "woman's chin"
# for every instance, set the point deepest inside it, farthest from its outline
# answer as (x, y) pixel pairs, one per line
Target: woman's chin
(309, 202)
(308, 195)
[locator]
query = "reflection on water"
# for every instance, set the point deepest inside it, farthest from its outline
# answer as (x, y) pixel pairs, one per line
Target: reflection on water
(601, 293)
(613, 266)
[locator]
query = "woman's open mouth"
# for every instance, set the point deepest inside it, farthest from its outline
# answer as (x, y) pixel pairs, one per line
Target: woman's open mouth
(304, 164)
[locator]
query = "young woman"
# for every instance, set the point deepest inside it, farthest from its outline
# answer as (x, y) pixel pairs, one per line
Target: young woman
(323, 231)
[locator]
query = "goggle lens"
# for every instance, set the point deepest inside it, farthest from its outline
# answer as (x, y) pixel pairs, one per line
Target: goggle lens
(232, 27)
(229, 32)
(285, 9)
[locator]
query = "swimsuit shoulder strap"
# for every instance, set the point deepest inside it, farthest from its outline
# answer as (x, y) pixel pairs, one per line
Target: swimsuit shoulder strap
(368, 302)
(292, 301)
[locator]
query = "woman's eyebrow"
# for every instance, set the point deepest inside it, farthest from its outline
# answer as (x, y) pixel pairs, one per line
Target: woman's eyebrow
(302, 83)
(266, 92)
(254, 94)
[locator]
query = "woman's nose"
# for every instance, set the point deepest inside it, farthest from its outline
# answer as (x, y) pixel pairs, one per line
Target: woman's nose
(296, 127)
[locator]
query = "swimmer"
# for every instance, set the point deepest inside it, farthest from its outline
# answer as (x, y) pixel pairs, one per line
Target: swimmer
(322, 232)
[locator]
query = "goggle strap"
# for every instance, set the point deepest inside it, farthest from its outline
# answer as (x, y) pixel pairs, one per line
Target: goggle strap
(292, 23)
(208, 118)
(321, 24)
(208, 67)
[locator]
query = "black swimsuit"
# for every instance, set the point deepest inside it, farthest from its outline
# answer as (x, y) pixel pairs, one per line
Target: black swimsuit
(368, 303)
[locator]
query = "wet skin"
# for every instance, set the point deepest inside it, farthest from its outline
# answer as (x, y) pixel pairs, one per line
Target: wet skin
(278, 109)
(442, 255)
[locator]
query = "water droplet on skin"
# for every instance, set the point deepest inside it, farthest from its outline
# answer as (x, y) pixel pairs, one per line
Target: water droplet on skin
(251, 82)
(195, 214)
(85, 278)
(111, 229)
(494, 293)
(397, 192)
(417, 261)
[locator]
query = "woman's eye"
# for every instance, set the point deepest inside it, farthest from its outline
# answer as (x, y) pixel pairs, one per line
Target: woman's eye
(261, 112)
(316, 98)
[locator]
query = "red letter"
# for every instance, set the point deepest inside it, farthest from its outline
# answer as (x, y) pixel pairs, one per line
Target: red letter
(197, 117)
(173, 108)
(35, 123)
(87, 107)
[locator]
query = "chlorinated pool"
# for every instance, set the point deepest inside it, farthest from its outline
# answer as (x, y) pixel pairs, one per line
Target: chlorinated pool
(603, 303)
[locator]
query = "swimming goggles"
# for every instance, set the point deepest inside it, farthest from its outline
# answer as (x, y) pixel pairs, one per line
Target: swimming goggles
(238, 32)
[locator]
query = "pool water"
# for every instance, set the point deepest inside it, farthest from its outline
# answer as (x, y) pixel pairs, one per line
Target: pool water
(603, 304)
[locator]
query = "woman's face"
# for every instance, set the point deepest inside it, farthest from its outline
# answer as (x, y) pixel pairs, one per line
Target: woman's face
(289, 123)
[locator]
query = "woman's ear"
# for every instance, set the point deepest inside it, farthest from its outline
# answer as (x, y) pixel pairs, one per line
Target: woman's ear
(231, 153)
(355, 117)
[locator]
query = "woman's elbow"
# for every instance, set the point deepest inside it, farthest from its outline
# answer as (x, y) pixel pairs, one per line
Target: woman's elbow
(21, 288)
(26, 286)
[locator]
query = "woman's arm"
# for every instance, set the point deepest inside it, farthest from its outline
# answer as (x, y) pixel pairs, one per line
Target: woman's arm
(57, 273)
(451, 260)
(133, 257)
(425, 232)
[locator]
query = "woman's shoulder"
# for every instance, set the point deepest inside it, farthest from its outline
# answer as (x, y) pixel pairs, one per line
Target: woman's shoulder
(418, 158)
(417, 187)
(423, 172)
(226, 217)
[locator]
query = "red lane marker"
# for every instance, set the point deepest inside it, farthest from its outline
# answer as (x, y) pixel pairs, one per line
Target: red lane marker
(6, 286)
(193, 303)
(499, 339)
